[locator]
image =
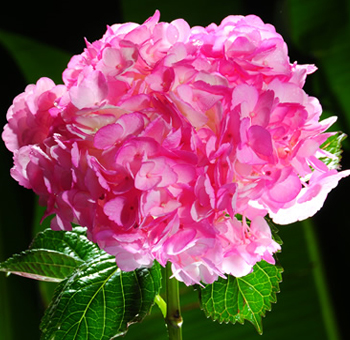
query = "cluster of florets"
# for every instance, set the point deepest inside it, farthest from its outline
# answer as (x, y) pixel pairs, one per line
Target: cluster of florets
(172, 143)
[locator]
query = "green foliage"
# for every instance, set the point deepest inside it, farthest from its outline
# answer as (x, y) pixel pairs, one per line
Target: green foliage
(35, 59)
(71, 243)
(100, 301)
(52, 256)
(245, 298)
(95, 298)
(44, 265)
(333, 145)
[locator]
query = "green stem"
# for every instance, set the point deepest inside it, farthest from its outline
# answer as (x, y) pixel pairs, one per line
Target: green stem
(326, 304)
(173, 316)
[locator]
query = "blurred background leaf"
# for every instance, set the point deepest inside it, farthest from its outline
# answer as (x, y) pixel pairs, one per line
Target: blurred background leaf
(37, 40)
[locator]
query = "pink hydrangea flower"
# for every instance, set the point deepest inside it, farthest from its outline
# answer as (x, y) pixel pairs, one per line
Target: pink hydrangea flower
(172, 143)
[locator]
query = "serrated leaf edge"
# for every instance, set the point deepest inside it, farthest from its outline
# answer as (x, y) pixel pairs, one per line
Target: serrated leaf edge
(241, 320)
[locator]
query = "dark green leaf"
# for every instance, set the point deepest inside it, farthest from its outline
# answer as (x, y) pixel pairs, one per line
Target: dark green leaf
(53, 255)
(34, 58)
(99, 301)
(245, 298)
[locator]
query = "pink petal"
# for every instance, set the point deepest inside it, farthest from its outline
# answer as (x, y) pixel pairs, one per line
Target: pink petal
(180, 241)
(122, 211)
(90, 91)
(259, 140)
(108, 135)
(286, 190)
(310, 199)
(235, 265)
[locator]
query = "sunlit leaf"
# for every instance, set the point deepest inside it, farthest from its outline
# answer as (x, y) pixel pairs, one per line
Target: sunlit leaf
(53, 255)
(245, 298)
(72, 243)
(333, 145)
(99, 301)
(43, 265)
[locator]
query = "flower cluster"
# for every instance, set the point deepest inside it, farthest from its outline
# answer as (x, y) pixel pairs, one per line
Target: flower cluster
(172, 143)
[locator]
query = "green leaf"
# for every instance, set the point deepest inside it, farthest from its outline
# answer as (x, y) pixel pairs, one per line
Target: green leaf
(94, 296)
(53, 255)
(333, 145)
(72, 243)
(99, 301)
(41, 264)
(34, 58)
(274, 230)
(246, 298)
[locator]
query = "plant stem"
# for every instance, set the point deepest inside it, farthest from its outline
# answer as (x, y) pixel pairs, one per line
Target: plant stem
(326, 304)
(173, 316)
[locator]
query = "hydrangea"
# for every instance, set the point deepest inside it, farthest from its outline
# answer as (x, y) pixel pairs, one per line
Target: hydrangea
(172, 143)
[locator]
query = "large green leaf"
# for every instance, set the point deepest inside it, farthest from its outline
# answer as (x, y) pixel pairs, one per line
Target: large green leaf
(95, 297)
(40, 264)
(73, 243)
(99, 301)
(52, 256)
(34, 58)
(245, 298)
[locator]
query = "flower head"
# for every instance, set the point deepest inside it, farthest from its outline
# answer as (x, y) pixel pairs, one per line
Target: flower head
(172, 143)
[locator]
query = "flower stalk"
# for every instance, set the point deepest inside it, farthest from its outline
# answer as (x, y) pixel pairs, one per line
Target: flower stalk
(173, 317)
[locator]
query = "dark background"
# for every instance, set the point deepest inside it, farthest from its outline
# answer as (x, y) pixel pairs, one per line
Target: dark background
(64, 25)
